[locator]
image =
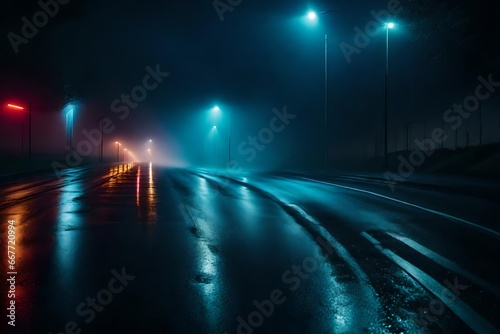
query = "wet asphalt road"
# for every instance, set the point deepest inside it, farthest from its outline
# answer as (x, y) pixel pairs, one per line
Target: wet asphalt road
(146, 249)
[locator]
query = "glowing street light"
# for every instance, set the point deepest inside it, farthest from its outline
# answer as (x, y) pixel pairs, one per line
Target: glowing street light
(16, 107)
(312, 16)
(13, 106)
(117, 151)
(217, 111)
(148, 148)
(70, 124)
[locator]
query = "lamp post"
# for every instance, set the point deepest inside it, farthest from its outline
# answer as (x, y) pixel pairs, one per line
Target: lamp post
(313, 17)
(214, 145)
(229, 143)
(388, 26)
(16, 107)
(29, 133)
(70, 118)
(101, 141)
(216, 110)
(124, 150)
(117, 151)
(149, 149)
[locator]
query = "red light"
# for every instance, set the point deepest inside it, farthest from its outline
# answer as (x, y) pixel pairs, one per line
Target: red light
(14, 106)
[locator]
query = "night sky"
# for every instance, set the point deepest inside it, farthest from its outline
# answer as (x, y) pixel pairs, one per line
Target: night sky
(263, 55)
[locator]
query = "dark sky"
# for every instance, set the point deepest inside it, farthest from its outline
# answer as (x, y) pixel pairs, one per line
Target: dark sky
(263, 55)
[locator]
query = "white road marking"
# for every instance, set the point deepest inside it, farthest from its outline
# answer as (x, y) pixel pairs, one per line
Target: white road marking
(439, 259)
(483, 229)
(370, 304)
(339, 248)
(462, 310)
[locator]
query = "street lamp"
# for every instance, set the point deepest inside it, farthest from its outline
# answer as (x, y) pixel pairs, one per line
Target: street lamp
(117, 151)
(388, 26)
(124, 150)
(13, 106)
(16, 107)
(216, 111)
(70, 117)
(150, 142)
(313, 17)
(213, 146)
(69, 111)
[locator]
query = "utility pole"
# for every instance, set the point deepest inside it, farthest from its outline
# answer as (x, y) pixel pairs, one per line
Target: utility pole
(229, 142)
(444, 131)
(29, 137)
(408, 136)
(480, 123)
(326, 101)
(102, 140)
(22, 138)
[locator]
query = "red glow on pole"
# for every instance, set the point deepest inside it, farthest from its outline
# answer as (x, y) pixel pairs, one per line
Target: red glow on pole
(14, 106)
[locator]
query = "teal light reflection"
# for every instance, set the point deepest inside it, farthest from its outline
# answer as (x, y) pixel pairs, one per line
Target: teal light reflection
(68, 241)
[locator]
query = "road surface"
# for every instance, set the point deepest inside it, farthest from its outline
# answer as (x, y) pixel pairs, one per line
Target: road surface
(138, 248)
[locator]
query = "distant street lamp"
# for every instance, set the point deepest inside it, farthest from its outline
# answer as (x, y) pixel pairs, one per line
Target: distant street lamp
(101, 140)
(150, 142)
(117, 151)
(16, 107)
(70, 121)
(214, 139)
(388, 26)
(124, 150)
(216, 111)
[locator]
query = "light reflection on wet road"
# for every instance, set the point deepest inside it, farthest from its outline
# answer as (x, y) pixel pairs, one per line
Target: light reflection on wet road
(212, 254)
